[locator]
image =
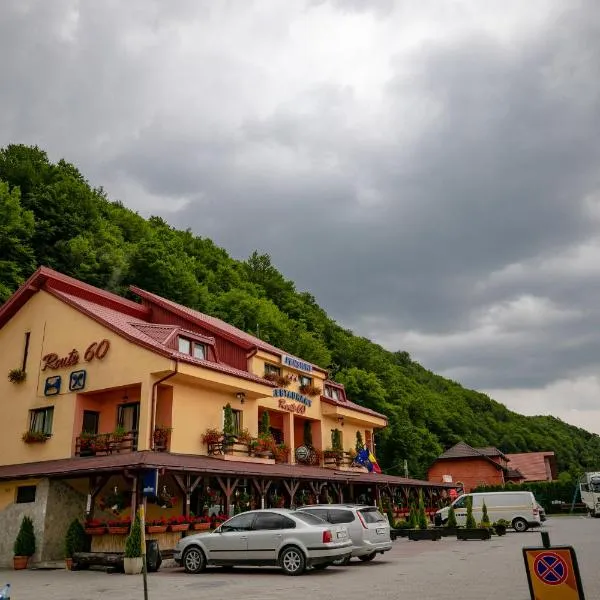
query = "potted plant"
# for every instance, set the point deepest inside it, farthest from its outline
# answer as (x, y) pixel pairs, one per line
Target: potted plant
(24, 546)
(310, 390)
(218, 519)
(75, 541)
(500, 526)
(95, 527)
(180, 523)
(161, 437)
(34, 437)
(423, 532)
(451, 524)
(229, 437)
(281, 452)
(157, 526)
(86, 443)
(119, 526)
(16, 375)
(471, 531)
(133, 562)
(211, 436)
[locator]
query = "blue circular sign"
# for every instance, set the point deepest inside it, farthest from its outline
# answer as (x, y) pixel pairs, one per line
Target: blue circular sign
(550, 568)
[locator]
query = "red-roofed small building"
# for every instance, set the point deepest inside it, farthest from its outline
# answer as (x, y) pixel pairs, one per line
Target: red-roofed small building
(105, 400)
(534, 466)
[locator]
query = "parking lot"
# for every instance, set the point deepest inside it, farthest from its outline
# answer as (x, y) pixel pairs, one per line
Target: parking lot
(425, 570)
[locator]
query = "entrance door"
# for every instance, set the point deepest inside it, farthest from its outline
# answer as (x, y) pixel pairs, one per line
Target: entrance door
(91, 420)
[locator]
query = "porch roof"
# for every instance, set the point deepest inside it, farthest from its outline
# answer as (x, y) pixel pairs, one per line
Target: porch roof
(82, 466)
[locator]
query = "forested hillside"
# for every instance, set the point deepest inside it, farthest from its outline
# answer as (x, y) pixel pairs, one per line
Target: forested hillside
(49, 215)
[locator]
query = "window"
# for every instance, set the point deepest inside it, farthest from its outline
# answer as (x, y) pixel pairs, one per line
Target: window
(40, 420)
(308, 518)
(185, 346)
(320, 513)
(241, 522)
(237, 419)
(25, 494)
(272, 369)
(91, 421)
(304, 380)
(460, 502)
(340, 516)
(372, 515)
(273, 521)
(199, 351)
(332, 392)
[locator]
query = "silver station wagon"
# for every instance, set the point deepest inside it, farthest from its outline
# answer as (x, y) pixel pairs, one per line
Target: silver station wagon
(369, 530)
(289, 539)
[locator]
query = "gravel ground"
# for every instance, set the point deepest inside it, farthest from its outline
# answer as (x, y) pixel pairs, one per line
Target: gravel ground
(447, 569)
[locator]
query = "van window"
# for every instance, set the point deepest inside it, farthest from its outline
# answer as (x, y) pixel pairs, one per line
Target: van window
(460, 502)
(372, 515)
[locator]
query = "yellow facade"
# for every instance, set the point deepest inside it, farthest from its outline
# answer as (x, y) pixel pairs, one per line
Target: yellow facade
(190, 401)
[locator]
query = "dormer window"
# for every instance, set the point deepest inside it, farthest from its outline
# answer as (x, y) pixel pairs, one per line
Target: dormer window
(195, 349)
(332, 392)
(272, 369)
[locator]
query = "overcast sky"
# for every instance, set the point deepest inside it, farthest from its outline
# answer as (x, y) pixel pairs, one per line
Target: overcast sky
(429, 170)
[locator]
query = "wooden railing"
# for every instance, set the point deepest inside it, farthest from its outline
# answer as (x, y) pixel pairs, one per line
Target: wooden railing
(102, 444)
(338, 459)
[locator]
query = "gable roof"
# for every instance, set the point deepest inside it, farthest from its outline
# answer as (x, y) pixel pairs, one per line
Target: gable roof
(532, 465)
(462, 450)
(490, 451)
(213, 324)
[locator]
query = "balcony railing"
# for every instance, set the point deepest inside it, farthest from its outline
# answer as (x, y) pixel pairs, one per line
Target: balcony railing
(102, 444)
(337, 459)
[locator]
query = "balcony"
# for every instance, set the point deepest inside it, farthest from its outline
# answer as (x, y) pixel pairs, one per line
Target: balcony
(103, 444)
(335, 459)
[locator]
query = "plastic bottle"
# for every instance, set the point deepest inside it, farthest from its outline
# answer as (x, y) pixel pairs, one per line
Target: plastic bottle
(5, 592)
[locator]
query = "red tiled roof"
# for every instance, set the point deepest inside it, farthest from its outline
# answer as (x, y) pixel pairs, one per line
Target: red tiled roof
(71, 467)
(352, 406)
(532, 465)
(212, 323)
(490, 451)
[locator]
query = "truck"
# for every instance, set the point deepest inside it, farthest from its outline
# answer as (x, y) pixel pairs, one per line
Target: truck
(589, 487)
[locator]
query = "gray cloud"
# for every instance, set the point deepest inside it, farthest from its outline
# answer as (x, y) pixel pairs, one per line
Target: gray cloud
(429, 175)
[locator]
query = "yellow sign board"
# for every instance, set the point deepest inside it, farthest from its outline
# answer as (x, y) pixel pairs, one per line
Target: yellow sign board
(553, 573)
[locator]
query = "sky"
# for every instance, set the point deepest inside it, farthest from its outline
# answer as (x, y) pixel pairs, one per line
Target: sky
(429, 170)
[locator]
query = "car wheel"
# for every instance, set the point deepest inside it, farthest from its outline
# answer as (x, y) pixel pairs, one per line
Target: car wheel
(520, 525)
(367, 557)
(321, 566)
(342, 562)
(292, 561)
(193, 560)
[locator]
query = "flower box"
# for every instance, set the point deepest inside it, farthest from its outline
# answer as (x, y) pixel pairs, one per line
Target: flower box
(180, 527)
(424, 534)
(200, 526)
(95, 530)
(118, 530)
(156, 528)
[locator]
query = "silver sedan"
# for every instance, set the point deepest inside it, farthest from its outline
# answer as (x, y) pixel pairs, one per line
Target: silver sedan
(276, 537)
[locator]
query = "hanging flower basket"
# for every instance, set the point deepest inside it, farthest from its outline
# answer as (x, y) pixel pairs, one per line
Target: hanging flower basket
(156, 528)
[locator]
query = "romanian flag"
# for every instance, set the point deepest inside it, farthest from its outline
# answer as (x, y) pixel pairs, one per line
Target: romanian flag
(374, 463)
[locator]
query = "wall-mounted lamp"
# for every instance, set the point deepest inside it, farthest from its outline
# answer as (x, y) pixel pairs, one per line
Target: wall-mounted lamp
(241, 397)
(341, 420)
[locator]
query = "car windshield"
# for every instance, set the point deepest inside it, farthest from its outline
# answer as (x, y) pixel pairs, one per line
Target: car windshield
(308, 518)
(372, 515)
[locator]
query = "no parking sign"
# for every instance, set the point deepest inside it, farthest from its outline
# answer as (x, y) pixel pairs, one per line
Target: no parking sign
(553, 573)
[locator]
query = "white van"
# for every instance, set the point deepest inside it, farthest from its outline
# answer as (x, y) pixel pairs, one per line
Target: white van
(520, 509)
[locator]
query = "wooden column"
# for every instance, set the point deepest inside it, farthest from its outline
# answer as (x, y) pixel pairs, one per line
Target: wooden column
(96, 483)
(228, 486)
(187, 486)
(262, 487)
(339, 491)
(292, 488)
(317, 488)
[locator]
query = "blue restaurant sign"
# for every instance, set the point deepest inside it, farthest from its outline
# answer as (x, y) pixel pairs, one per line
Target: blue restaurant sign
(282, 393)
(150, 483)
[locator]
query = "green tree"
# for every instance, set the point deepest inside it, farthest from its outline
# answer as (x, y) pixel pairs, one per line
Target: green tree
(265, 423)
(308, 439)
(133, 543)
(75, 540)
(25, 542)
(359, 442)
(17, 258)
(228, 424)
(485, 519)
(451, 522)
(423, 521)
(470, 523)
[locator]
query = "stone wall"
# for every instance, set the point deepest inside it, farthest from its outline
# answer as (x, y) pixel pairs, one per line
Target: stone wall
(63, 505)
(56, 505)
(10, 521)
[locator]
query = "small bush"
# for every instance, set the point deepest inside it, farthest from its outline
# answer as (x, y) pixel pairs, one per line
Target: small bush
(25, 542)
(423, 521)
(485, 519)
(75, 540)
(133, 543)
(451, 522)
(470, 524)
